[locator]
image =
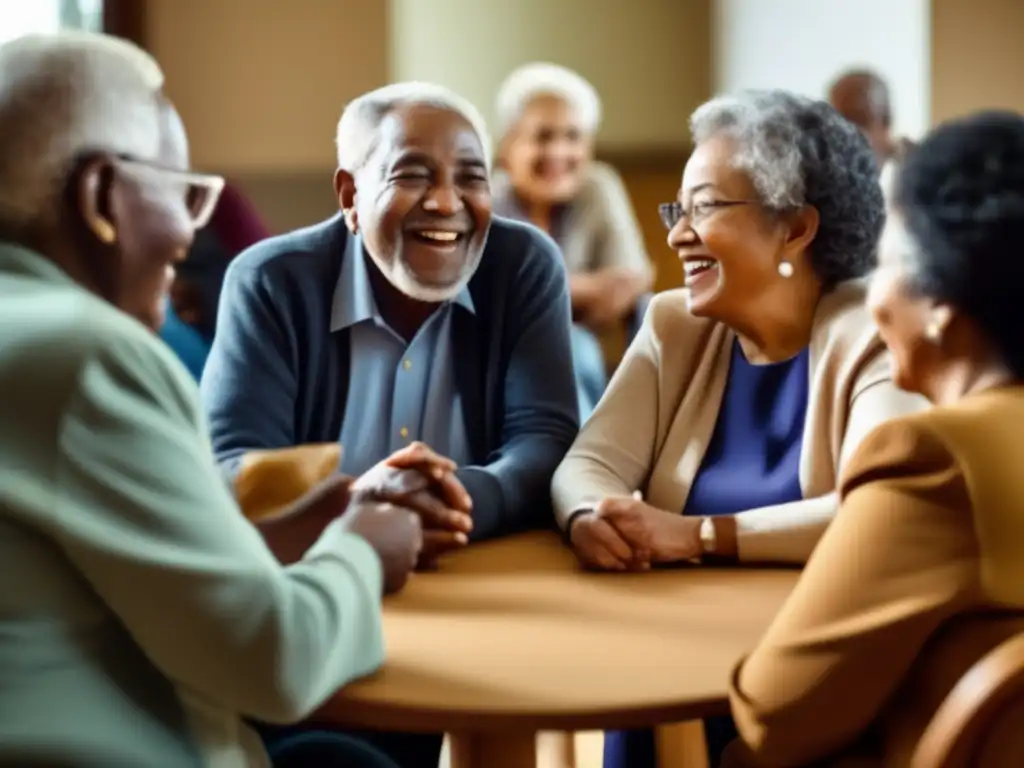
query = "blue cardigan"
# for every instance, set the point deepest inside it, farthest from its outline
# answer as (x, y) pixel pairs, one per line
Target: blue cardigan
(276, 376)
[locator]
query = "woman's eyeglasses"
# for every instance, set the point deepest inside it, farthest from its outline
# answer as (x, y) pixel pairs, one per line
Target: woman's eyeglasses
(671, 213)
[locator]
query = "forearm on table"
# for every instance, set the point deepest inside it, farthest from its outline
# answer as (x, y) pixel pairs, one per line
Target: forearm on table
(784, 533)
(290, 534)
(292, 531)
(508, 495)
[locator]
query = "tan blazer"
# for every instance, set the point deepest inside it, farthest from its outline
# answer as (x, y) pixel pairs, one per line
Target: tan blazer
(652, 427)
(919, 576)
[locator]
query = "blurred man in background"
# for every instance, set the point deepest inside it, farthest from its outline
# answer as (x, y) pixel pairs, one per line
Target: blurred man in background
(862, 97)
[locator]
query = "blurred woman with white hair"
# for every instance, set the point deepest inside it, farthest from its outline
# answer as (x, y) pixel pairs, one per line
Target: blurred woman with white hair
(547, 117)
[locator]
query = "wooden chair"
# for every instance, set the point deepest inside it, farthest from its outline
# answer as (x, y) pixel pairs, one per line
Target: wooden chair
(960, 728)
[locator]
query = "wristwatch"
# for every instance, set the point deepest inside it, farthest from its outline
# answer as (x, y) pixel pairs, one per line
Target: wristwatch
(708, 537)
(718, 545)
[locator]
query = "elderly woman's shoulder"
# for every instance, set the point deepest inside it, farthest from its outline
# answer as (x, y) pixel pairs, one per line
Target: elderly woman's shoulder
(844, 315)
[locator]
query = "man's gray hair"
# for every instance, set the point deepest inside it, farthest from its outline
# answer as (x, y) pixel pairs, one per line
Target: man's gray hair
(798, 151)
(359, 126)
(532, 81)
(62, 95)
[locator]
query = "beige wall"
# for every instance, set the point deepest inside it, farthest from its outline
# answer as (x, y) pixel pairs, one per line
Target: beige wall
(977, 56)
(261, 83)
(650, 60)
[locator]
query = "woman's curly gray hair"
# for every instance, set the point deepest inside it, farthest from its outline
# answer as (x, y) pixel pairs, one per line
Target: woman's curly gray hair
(798, 151)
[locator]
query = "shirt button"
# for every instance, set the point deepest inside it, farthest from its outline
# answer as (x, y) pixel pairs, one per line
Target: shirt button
(407, 364)
(404, 431)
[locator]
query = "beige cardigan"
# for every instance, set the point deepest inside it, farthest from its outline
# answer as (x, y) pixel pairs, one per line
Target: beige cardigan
(654, 423)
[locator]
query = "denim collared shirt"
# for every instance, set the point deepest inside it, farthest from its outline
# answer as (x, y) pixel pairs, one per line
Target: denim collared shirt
(398, 391)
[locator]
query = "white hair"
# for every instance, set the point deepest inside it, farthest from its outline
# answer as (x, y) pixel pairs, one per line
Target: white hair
(359, 125)
(62, 95)
(531, 81)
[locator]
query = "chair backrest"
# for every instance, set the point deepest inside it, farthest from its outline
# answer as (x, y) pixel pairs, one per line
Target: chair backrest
(957, 732)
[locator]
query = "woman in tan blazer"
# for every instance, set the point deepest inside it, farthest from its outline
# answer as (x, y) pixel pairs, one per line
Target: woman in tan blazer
(723, 433)
(922, 571)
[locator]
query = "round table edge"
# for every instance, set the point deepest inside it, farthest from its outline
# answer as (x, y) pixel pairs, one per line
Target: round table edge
(390, 717)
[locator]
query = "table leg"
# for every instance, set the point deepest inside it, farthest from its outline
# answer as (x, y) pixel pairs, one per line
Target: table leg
(681, 745)
(499, 749)
(556, 750)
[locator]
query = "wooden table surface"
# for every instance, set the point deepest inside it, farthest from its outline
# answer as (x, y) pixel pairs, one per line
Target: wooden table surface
(511, 637)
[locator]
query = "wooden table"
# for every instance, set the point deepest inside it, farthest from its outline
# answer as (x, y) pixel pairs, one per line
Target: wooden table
(508, 638)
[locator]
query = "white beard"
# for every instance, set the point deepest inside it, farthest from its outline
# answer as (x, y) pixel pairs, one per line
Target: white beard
(402, 278)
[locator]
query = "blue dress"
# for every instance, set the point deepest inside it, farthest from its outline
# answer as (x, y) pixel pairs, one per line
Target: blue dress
(753, 461)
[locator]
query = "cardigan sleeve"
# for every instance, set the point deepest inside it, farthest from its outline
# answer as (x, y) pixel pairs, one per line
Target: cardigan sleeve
(899, 560)
(613, 454)
(249, 387)
(144, 515)
(541, 413)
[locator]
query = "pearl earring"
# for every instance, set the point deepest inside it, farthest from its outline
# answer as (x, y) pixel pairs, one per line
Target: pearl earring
(932, 332)
(785, 269)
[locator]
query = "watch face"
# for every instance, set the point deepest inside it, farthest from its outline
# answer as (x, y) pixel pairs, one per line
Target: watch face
(707, 535)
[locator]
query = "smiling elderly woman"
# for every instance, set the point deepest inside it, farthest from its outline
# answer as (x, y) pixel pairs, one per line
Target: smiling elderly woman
(548, 117)
(722, 434)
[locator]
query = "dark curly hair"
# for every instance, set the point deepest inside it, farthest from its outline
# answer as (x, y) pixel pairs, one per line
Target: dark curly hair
(961, 196)
(798, 151)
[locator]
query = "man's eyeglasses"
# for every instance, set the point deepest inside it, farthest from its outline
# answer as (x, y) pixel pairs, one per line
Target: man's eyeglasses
(200, 191)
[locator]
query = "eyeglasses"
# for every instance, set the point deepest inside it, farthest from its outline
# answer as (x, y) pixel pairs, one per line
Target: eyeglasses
(671, 213)
(200, 191)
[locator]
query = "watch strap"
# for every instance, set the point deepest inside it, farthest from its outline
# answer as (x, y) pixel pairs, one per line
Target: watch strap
(726, 549)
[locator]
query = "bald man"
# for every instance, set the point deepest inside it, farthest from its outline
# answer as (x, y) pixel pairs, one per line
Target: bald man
(862, 97)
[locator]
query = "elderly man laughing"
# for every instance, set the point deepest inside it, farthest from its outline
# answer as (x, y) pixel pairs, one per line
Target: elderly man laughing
(412, 315)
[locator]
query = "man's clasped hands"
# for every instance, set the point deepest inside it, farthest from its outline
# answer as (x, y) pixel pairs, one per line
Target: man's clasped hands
(411, 508)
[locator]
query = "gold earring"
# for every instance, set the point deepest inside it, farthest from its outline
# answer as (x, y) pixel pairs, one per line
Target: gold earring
(105, 231)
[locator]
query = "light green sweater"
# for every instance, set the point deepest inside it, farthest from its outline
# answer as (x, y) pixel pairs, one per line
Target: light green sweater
(141, 616)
